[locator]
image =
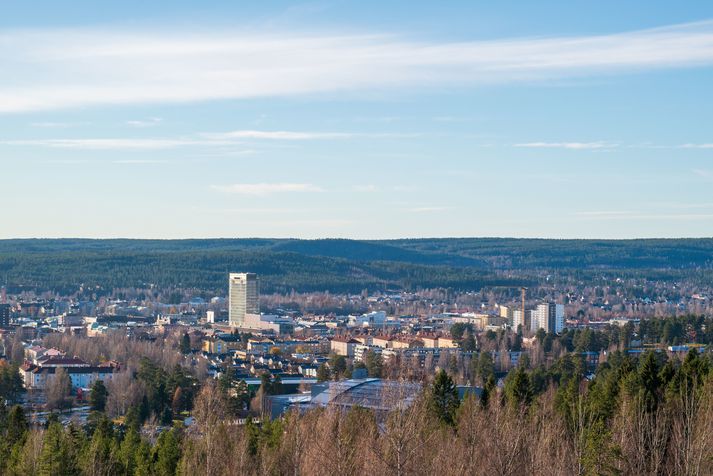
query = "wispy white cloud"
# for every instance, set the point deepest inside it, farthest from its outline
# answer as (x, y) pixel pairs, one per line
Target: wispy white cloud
(139, 162)
(683, 206)
(703, 173)
(603, 213)
(305, 135)
(266, 188)
(63, 68)
(204, 139)
(568, 145)
(255, 211)
(381, 119)
(113, 144)
(364, 188)
(150, 122)
(428, 209)
(279, 135)
(404, 188)
(641, 216)
(58, 125)
(696, 146)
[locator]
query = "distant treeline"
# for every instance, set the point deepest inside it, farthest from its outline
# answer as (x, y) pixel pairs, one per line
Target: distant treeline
(337, 265)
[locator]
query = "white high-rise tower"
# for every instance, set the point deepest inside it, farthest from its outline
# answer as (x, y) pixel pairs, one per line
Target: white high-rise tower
(243, 297)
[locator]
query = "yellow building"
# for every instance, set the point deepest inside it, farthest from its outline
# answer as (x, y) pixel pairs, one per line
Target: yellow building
(220, 344)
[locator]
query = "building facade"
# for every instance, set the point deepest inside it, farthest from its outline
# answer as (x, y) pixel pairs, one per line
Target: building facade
(4, 315)
(344, 346)
(243, 297)
(548, 316)
(81, 374)
(520, 319)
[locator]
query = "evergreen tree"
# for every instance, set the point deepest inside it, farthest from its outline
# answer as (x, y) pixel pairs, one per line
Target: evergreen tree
(469, 344)
(132, 419)
(167, 453)
(485, 367)
(142, 460)
(323, 373)
(227, 377)
(128, 451)
(13, 432)
(649, 381)
(17, 425)
(10, 382)
(338, 366)
(518, 388)
(374, 364)
(488, 390)
(57, 457)
(98, 396)
(443, 398)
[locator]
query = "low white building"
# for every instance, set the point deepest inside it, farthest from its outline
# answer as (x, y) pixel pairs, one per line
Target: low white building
(81, 373)
(371, 319)
(268, 322)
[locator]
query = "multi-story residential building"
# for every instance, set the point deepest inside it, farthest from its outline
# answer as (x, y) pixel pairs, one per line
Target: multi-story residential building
(430, 341)
(364, 339)
(518, 319)
(81, 373)
(382, 341)
(447, 343)
(4, 315)
(406, 343)
(548, 316)
(506, 313)
(37, 353)
(264, 346)
(220, 344)
(344, 346)
(243, 297)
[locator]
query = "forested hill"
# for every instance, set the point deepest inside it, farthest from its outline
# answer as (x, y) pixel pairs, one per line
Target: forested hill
(330, 264)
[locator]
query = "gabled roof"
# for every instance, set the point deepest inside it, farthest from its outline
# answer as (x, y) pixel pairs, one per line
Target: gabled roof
(63, 361)
(346, 340)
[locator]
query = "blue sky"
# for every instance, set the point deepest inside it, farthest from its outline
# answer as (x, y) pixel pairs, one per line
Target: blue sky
(356, 119)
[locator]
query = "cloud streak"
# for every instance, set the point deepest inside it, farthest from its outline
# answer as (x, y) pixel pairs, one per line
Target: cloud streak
(428, 209)
(697, 146)
(150, 122)
(70, 68)
(635, 215)
(261, 189)
(567, 145)
(114, 144)
(204, 139)
(280, 135)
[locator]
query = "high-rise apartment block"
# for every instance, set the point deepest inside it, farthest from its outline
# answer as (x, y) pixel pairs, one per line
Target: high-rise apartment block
(518, 319)
(548, 316)
(4, 315)
(243, 297)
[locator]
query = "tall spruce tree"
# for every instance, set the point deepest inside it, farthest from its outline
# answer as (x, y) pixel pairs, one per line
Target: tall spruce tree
(443, 398)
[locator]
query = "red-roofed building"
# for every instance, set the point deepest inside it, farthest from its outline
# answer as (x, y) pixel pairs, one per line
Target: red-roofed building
(82, 374)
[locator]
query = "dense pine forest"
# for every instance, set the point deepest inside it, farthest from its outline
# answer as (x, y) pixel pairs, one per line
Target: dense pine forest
(342, 265)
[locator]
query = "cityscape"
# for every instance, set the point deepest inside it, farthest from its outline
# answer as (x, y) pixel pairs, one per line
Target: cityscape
(335, 237)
